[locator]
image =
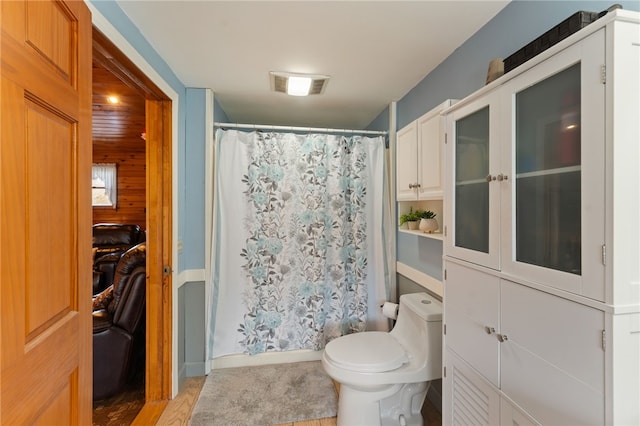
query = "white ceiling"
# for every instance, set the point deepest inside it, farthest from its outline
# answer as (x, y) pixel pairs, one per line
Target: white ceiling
(374, 51)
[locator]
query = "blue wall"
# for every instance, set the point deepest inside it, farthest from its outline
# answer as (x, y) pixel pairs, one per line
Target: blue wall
(195, 186)
(464, 72)
(194, 189)
(218, 113)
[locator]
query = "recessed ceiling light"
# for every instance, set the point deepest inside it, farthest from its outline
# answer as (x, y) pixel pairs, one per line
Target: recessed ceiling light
(113, 99)
(298, 84)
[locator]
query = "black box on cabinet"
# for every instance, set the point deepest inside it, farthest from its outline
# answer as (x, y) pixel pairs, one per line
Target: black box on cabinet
(561, 31)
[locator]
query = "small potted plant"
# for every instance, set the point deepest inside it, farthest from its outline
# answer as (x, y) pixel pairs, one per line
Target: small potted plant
(428, 223)
(411, 219)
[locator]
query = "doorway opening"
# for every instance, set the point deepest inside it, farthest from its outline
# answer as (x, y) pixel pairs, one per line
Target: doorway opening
(135, 134)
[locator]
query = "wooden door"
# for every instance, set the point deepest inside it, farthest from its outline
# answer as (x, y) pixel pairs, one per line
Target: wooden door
(45, 213)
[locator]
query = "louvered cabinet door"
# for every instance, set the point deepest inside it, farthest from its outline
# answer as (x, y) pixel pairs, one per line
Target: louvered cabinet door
(468, 399)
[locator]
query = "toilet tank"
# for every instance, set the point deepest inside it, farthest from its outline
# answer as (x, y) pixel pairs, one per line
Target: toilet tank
(419, 329)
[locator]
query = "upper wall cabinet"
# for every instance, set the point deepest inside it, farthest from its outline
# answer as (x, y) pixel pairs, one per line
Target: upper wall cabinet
(419, 157)
(526, 173)
(553, 205)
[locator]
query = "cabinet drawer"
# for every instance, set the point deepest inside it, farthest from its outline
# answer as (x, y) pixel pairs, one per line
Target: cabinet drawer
(552, 363)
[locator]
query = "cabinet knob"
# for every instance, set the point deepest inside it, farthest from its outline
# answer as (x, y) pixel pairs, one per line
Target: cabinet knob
(489, 330)
(502, 337)
(489, 178)
(502, 177)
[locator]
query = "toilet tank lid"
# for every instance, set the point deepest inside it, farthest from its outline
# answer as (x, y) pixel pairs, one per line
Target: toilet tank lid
(425, 306)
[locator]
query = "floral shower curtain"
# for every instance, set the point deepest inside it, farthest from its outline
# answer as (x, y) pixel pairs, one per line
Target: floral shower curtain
(299, 256)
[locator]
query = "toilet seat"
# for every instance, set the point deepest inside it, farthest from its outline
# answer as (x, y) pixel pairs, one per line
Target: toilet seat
(366, 352)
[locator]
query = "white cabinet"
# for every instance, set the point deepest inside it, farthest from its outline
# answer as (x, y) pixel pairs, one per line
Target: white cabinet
(545, 352)
(473, 318)
(471, 206)
(542, 237)
(553, 204)
(470, 400)
(407, 162)
(510, 415)
(419, 157)
(467, 398)
(525, 173)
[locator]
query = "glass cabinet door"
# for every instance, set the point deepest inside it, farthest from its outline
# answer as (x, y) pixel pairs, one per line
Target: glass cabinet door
(473, 208)
(553, 201)
(471, 185)
(547, 173)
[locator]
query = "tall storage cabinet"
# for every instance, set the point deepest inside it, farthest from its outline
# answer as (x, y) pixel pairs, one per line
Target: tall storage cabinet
(542, 238)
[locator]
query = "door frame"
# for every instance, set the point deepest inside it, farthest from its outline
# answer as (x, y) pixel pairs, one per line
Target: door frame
(162, 135)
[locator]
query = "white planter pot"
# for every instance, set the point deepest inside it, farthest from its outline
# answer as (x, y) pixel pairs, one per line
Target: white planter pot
(428, 225)
(413, 225)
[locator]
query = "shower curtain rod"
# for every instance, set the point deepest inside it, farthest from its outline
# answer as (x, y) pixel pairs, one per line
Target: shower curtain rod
(299, 129)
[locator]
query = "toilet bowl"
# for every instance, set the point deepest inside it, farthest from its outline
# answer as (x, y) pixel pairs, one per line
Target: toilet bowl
(384, 377)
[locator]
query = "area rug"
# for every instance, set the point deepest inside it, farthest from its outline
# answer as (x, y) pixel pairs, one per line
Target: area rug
(265, 395)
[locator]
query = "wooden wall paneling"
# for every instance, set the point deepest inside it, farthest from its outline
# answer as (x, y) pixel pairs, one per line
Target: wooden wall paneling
(117, 139)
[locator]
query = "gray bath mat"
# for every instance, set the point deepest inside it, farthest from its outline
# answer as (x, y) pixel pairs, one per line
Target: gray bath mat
(265, 395)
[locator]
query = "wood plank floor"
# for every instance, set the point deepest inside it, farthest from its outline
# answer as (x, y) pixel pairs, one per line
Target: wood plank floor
(178, 410)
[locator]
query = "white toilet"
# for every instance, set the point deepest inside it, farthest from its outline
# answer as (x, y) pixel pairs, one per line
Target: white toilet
(384, 377)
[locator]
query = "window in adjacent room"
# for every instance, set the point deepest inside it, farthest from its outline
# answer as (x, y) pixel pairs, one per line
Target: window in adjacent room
(104, 185)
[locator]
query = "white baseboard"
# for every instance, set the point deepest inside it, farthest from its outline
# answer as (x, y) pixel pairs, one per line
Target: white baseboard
(266, 358)
(190, 276)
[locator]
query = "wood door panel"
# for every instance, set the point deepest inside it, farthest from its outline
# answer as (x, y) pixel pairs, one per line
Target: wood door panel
(45, 214)
(48, 364)
(30, 68)
(59, 411)
(49, 30)
(50, 142)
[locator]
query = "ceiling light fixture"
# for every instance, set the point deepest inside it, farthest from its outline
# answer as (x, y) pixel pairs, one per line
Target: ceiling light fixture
(113, 99)
(298, 84)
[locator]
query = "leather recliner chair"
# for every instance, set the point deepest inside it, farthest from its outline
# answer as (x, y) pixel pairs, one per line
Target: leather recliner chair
(115, 238)
(110, 241)
(119, 324)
